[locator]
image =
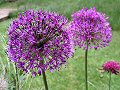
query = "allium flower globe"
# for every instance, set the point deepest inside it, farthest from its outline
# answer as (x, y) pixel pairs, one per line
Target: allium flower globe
(90, 30)
(112, 67)
(92, 27)
(35, 35)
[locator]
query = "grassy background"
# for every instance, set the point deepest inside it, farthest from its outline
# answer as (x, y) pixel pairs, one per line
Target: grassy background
(71, 77)
(67, 7)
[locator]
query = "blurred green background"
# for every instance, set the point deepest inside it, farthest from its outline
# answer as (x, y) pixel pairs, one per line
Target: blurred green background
(67, 7)
(71, 77)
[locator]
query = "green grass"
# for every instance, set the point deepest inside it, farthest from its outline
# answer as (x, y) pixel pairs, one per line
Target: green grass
(71, 77)
(67, 7)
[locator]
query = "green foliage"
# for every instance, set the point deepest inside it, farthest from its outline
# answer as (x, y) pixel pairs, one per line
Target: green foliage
(67, 7)
(6, 1)
(71, 77)
(3, 1)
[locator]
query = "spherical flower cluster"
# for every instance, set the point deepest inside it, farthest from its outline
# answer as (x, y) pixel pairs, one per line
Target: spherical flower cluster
(3, 83)
(36, 36)
(112, 67)
(92, 27)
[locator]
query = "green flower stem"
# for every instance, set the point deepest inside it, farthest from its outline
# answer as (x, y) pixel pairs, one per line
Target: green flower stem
(109, 80)
(86, 76)
(17, 78)
(44, 78)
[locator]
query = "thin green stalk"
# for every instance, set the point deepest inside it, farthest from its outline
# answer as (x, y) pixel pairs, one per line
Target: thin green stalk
(44, 78)
(109, 80)
(17, 80)
(86, 75)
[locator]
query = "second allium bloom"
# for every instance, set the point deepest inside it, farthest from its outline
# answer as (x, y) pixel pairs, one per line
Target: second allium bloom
(92, 27)
(35, 35)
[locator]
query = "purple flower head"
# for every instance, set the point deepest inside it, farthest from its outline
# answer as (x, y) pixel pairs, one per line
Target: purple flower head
(38, 35)
(112, 67)
(92, 27)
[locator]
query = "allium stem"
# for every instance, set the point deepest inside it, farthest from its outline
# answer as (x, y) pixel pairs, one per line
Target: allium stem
(109, 80)
(44, 78)
(17, 80)
(86, 54)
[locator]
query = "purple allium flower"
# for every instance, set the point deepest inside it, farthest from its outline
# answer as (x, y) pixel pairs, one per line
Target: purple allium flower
(38, 35)
(112, 67)
(90, 26)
